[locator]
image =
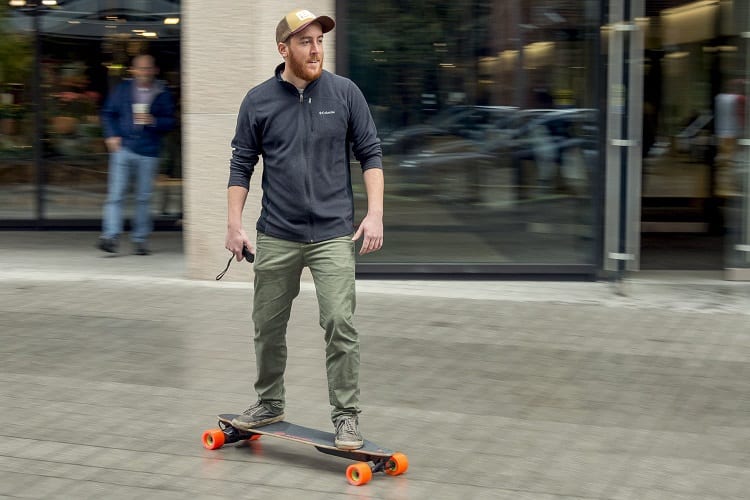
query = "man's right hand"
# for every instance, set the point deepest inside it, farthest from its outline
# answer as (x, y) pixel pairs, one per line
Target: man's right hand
(237, 239)
(113, 144)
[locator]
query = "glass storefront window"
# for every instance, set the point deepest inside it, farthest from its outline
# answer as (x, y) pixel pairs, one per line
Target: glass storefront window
(488, 116)
(16, 120)
(85, 49)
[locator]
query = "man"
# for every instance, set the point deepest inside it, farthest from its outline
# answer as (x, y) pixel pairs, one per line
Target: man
(303, 122)
(729, 125)
(135, 117)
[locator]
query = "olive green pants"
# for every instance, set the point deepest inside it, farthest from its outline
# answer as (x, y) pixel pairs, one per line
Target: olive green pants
(278, 268)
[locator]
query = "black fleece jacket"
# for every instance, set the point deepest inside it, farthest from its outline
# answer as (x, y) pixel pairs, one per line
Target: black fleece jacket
(304, 139)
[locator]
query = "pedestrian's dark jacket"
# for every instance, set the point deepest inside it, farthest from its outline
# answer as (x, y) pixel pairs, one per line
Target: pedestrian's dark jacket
(304, 139)
(117, 119)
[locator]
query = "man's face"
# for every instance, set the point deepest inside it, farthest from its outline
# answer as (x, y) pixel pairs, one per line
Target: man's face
(305, 56)
(143, 70)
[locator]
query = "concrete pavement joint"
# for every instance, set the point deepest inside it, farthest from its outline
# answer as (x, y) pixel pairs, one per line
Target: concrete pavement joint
(702, 297)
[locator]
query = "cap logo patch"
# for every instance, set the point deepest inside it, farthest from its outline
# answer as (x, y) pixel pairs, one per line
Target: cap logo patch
(305, 14)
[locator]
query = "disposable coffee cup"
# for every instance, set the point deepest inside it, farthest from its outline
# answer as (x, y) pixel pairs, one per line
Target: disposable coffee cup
(139, 112)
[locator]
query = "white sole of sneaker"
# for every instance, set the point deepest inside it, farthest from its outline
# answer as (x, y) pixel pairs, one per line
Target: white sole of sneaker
(348, 446)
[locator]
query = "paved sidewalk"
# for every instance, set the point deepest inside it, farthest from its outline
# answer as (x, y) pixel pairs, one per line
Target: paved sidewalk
(111, 368)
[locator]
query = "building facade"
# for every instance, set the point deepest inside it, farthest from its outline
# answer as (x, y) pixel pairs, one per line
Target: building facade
(521, 138)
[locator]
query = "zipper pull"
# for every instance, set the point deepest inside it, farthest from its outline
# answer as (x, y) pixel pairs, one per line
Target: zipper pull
(301, 98)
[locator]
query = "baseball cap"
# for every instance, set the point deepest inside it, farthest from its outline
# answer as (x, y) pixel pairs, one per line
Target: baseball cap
(297, 20)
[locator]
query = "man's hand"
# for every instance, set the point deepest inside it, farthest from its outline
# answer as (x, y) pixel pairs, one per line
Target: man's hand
(113, 144)
(371, 228)
(235, 240)
(236, 236)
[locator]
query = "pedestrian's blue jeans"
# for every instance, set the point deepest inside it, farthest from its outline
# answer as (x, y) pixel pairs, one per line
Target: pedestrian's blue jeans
(124, 164)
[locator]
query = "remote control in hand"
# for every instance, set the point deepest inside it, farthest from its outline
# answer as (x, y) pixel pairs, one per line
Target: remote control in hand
(250, 257)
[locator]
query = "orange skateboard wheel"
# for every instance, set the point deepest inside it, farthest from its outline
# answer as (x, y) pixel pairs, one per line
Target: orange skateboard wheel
(359, 473)
(396, 464)
(213, 439)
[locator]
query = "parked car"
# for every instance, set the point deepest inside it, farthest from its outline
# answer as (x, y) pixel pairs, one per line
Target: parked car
(561, 146)
(539, 148)
(471, 122)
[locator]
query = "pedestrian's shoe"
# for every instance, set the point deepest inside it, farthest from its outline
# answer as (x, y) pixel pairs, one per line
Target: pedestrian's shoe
(348, 436)
(257, 415)
(142, 249)
(108, 245)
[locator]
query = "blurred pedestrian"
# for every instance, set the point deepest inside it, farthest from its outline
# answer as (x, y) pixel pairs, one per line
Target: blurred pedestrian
(303, 122)
(729, 125)
(135, 117)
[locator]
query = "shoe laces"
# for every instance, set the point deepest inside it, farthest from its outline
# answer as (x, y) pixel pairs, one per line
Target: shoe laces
(347, 425)
(252, 409)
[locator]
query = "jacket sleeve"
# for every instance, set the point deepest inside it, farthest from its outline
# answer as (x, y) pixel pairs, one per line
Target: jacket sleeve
(110, 114)
(164, 113)
(246, 147)
(362, 132)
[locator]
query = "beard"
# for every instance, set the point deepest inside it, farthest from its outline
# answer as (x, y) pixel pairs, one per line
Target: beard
(299, 68)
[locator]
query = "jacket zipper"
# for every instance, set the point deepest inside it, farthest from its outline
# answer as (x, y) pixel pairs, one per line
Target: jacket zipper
(306, 116)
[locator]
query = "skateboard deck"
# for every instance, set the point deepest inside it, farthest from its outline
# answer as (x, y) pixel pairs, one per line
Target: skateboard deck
(370, 458)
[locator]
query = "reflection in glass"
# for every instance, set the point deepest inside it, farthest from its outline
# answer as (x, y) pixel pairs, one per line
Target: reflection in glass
(84, 53)
(17, 193)
(488, 117)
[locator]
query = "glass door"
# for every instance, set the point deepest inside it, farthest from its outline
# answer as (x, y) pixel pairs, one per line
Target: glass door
(738, 169)
(690, 65)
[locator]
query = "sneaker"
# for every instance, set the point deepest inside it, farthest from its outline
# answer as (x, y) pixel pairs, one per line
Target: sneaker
(257, 416)
(142, 249)
(108, 245)
(348, 436)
